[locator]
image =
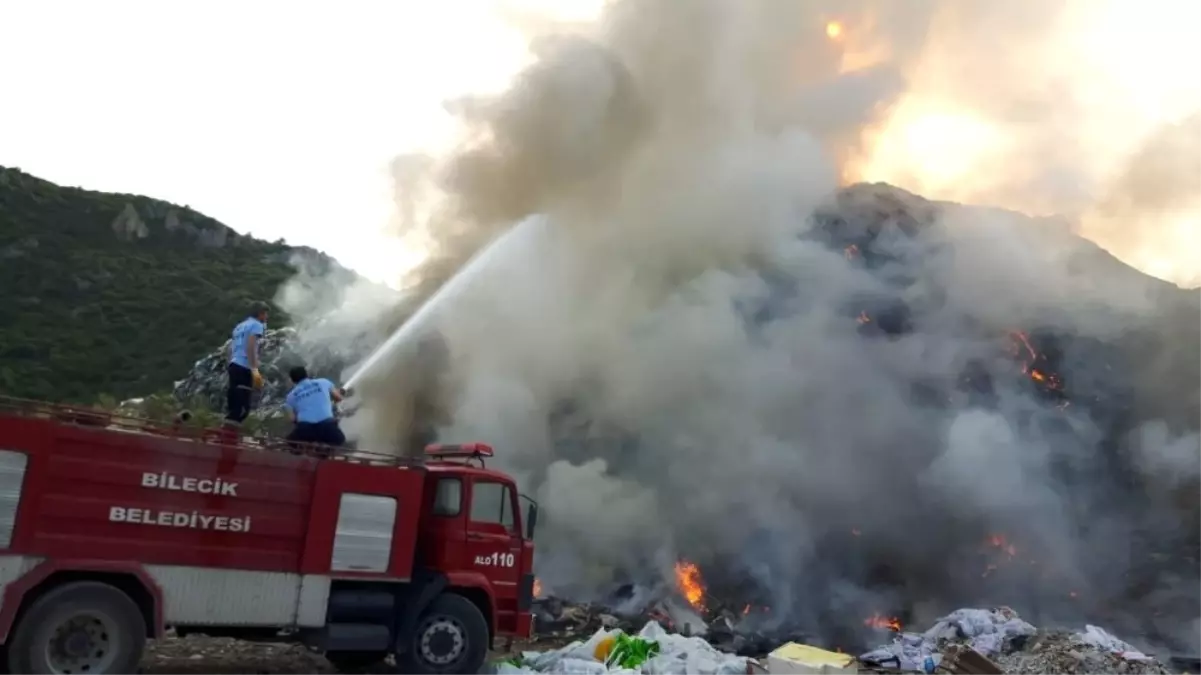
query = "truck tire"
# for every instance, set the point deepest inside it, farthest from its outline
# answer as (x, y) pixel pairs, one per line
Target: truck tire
(451, 637)
(351, 662)
(80, 627)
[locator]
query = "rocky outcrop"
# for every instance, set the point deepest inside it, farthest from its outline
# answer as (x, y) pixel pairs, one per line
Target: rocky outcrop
(129, 225)
(19, 249)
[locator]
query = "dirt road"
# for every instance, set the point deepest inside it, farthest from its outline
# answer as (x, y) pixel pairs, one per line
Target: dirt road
(198, 654)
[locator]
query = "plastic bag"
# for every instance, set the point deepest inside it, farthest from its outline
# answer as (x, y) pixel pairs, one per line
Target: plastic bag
(570, 666)
(631, 652)
(506, 668)
(1103, 640)
(694, 664)
(545, 661)
(587, 650)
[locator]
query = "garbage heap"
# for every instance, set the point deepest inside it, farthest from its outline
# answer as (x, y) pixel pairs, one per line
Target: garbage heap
(966, 641)
(999, 641)
(558, 620)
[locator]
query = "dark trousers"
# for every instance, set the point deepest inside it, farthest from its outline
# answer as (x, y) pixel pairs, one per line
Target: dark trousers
(237, 396)
(326, 433)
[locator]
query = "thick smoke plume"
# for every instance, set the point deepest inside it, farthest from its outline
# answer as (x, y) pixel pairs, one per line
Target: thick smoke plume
(670, 359)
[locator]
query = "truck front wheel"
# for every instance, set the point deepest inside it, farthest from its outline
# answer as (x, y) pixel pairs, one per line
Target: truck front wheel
(451, 637)
(80, 627)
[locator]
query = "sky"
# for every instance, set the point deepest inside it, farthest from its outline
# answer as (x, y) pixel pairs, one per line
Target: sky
(280, 119)
(277, 118)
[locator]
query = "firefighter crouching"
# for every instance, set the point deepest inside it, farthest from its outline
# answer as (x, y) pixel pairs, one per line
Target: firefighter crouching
(310, 405)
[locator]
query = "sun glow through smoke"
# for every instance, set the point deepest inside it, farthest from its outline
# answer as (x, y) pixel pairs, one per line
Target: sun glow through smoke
(932, 142)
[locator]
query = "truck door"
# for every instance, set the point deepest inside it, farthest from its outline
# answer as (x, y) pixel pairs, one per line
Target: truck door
(493, 542)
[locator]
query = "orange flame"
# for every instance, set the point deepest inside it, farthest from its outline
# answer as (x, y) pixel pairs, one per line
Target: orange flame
(998, 541)
(537, 588)
(833, 30)
(877, 620)
(1023, 349)
(1022, 341)
(851, 252)
(690, 584)
(863, 318)
(1002, 545)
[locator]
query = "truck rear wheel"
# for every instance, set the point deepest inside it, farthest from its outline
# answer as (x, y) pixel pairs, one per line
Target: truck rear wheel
(451, 637)
(80, 627)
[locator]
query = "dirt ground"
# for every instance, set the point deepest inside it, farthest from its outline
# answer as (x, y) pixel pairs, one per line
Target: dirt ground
(200, 654)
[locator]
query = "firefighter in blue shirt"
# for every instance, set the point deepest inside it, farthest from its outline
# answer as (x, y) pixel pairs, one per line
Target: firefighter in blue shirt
(243, 367)
(310, 404)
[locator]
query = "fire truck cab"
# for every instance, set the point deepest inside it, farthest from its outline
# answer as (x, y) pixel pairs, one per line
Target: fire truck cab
(114, 530)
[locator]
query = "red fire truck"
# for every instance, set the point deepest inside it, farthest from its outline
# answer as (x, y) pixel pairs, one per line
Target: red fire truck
(114, 530)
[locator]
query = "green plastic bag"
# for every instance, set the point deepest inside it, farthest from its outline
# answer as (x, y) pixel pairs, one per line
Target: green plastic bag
(631, 652)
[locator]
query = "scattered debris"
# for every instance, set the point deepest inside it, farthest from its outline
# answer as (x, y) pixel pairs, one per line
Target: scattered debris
(963, 660)
(731, 635)
(555, 618)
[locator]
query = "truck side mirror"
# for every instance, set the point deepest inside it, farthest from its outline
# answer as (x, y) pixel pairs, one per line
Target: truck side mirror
(531, 520)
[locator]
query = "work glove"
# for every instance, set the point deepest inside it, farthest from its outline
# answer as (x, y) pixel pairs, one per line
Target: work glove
(256, 378)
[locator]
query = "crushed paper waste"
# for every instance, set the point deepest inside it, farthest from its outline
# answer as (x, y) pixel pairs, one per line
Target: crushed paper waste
(676, 655)
(1016, 645)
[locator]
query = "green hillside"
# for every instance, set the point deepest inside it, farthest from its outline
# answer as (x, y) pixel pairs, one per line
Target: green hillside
(118, 295)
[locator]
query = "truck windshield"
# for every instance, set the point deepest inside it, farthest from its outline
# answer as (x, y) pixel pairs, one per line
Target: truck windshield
(492, 503)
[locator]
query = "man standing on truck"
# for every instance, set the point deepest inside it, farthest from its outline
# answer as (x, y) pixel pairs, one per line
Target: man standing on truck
(243, 367)
(311, 407)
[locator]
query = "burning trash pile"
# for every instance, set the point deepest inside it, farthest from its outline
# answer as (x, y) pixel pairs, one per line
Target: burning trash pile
(965, 641)
(691, 631)
(741, 629)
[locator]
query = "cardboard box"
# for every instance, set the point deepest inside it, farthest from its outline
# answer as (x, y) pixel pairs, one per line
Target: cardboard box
(797, 658)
